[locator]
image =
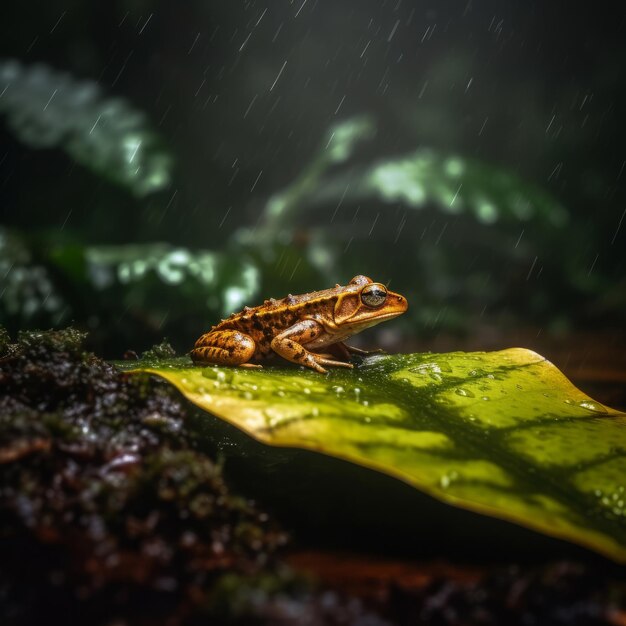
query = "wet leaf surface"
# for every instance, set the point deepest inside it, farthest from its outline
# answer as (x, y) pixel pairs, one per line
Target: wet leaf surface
(501, 433)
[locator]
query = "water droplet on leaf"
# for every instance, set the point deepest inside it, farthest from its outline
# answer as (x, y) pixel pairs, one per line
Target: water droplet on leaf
(592, 406)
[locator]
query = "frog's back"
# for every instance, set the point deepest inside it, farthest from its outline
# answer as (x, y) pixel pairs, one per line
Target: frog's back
(265, 321)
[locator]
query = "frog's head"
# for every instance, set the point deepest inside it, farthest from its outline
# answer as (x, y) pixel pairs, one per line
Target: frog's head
(364, 303)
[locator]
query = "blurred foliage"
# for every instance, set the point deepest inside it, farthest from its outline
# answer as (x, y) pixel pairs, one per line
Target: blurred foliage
(452, 184)
(373, 141)
(339, 145)
(50, 109)
(140, 273)
(454, 196)
(28, 295)
(160, 287)
(455, 184)
(131, 291)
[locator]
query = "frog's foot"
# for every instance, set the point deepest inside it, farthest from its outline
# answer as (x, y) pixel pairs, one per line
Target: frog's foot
(319, 361)
(251, 366)
(313, 360)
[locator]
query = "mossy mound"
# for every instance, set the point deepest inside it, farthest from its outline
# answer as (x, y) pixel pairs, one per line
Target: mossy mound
(106, 508)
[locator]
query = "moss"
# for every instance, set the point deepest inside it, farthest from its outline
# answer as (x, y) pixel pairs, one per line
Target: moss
(5, 341)
(160, 351)
(106, 507)
(37, 343)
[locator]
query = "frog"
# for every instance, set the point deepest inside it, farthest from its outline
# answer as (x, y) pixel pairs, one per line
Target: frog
(309, 329)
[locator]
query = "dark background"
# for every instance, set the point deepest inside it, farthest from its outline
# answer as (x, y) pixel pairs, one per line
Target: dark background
(237, 101)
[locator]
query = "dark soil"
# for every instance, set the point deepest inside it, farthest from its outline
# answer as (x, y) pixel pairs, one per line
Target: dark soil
(111, 514)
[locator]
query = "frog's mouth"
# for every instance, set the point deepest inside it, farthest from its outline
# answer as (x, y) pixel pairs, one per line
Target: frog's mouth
(358, 325)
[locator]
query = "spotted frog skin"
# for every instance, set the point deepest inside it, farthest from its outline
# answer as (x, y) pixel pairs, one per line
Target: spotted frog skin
(309, 330)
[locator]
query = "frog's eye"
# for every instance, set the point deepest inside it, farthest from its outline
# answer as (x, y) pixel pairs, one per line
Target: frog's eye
(373, 295)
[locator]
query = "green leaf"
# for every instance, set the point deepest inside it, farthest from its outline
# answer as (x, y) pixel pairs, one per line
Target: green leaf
(29, 295)
(456, 184)
(426, 177)
(453, 184)
(501, 433)
(46, 108)
(202, 276)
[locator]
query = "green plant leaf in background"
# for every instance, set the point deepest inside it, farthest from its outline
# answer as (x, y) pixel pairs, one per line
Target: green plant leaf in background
(426, 177)
(28, 294)
(501, 433)
(153, 280)
(456, 184)
(213, 280)
(453, 184)
(46, 108)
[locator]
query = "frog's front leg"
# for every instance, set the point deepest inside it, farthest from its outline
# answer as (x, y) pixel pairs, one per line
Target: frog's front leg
(224, 347)
(290, 345)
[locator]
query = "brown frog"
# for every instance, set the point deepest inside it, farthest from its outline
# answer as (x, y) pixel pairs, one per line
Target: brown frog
(308, 330)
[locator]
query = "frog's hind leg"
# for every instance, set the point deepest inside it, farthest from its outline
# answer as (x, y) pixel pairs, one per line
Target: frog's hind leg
(224, 347)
